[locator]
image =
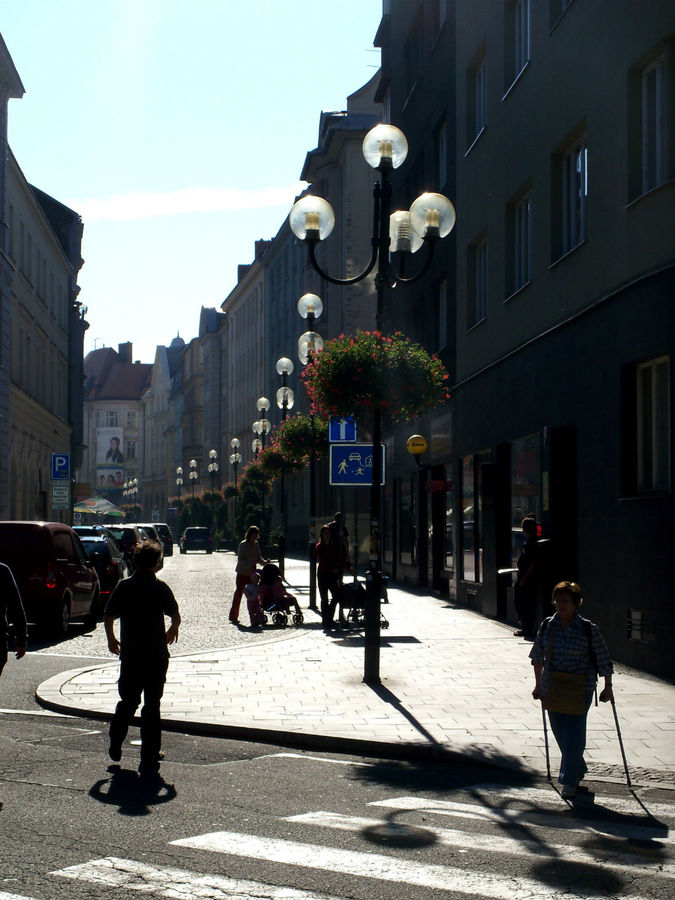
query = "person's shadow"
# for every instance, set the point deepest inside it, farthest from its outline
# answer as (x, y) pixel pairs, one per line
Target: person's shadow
(132, 794)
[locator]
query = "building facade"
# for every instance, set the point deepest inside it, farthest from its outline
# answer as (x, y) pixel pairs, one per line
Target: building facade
(560, 293)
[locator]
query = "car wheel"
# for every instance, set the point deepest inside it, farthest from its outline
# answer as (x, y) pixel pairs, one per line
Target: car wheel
(61, 618)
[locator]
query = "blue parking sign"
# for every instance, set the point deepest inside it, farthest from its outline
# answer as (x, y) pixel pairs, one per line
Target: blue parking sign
(60, 466)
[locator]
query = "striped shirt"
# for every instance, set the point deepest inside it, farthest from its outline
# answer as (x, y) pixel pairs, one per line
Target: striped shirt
(570, 650)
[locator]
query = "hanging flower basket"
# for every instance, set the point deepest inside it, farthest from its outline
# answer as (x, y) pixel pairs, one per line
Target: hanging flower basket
(356, 374)
(295, 438)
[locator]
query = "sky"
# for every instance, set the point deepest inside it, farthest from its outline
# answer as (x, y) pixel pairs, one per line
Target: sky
(178, 132)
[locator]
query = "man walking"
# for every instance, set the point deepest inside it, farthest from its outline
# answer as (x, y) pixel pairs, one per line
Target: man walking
(11, 610)
(141, 603)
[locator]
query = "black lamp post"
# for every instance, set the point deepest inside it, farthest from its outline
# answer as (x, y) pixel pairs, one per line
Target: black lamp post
(310, 307)
(179, 479)
(262, 427)
(431, 216)
(235, 459)
(193, 475)
(213, 471)
(285, 401)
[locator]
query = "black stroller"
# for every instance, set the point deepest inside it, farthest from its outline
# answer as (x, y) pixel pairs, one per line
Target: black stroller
(274, 599)
(352, 603)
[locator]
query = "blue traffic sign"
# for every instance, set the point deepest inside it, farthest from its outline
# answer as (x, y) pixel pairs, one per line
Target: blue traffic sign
(60, 466)
(351, 465)
(342, 430)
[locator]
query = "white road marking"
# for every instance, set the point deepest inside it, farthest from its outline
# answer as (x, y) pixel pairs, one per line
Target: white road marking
(520, 846)
(335, 762)
(169, 882)
(108, 658)
(548, 819)
(380, 867)
(37, 712)
(5, 896)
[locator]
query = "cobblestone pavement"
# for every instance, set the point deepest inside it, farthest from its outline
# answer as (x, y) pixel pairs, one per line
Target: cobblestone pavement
(203, 586)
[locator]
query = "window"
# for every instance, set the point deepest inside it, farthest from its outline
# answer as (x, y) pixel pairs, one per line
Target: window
(558, 7)
(472, 507)
(526, 492)
(131, 418)
(519, 242)
(476, 101)
(11, 248)
(570, 196)
(653, 125)
(516, 39)
(653, 425)
(131, 449)
(111, 417)
(477, 281)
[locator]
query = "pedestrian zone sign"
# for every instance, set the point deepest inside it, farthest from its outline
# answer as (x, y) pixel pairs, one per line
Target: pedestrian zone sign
(341, 429)
(351, 465)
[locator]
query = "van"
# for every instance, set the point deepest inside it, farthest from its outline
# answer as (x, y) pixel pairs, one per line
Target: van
(56, 578)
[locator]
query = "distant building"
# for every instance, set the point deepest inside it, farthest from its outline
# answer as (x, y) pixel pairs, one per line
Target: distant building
(114, 416)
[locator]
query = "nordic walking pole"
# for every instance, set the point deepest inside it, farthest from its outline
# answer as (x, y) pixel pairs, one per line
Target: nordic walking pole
(618, 734)
(548, 760)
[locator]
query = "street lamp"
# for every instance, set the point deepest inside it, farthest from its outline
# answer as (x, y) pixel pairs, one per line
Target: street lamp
(193, 475)
(235, 459)
(310, 307)
(285, 401)
(179, 479)
(213, 471)
(261, 427)
(431, 217)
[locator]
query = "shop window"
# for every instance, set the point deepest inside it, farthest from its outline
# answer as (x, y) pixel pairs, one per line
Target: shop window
(472, 509)
(449, 511)
(525, 487)
(406, 521)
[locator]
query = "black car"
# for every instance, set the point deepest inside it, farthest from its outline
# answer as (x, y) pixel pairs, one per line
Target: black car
(196, 538)
(126, 537)
(108, 562)
(163, 533)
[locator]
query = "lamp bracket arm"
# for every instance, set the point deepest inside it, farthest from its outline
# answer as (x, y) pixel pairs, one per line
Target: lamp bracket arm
(343, 281)
(408, 279)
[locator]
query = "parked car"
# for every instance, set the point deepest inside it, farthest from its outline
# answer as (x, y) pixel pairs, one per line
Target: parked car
(126, 537)
(163, 535)
(196, 538)
(57, 580)
(108, 562)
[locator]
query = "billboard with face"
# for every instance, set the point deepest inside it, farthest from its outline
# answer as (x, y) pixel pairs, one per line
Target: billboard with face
(109, 446)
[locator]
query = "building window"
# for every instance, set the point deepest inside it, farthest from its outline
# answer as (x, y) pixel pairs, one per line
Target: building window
(441, 141)
(653, 425)
(517, 35)
(472, 506)
(519, 242)
(526, 493)
(477, 281)
(476, 101)
(653, 125)
(111, 417)
(11, 247)
(558, 7)
(131, 449)
(570, 196)
(131, 418)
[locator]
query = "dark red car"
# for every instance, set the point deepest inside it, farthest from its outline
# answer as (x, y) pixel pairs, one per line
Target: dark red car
(56, 578)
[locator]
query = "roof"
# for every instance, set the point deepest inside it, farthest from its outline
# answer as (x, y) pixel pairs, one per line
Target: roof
(106, 377)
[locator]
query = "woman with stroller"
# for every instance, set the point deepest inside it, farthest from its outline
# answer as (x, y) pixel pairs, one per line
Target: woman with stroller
(328, 574)
(248, 557)
(572, 651)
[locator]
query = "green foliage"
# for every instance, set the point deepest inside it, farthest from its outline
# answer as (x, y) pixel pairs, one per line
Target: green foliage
(295, 438)
(355, 374)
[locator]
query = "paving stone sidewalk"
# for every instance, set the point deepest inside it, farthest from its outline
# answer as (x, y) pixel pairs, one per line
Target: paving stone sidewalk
(453, 683)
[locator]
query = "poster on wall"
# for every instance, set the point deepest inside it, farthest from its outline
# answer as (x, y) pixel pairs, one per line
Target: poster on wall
(109, 478)
(109, 459)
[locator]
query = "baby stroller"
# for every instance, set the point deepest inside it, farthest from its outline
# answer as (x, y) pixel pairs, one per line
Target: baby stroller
(352, 603)
(275, 599)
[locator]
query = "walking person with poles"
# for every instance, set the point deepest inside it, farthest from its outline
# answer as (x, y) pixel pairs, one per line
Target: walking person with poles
(569, 653)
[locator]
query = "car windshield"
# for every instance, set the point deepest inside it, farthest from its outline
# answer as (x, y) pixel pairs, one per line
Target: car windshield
(94, 546)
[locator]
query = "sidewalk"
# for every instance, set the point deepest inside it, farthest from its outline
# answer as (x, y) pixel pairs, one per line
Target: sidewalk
(453, 684)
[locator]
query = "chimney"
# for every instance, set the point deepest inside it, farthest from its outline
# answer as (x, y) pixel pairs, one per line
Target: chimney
(125, 351)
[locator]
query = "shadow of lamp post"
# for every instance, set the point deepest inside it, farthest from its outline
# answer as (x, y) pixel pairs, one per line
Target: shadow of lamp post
(395, 236)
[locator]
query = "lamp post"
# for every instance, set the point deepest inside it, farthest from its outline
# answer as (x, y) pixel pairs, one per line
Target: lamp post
(310, 307)
(179, 479)
(285, 401)
(193, 475)
(235, 459)
(261, 427)
(213, 471)
(431, 216)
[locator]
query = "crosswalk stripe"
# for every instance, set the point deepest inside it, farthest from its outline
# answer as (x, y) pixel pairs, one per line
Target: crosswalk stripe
(521, 846)
(504, 815)
(5, 896)
(167, 881)
(377, 866)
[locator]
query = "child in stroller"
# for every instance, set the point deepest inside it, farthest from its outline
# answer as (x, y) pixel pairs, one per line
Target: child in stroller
(275, 599)
(252, 594)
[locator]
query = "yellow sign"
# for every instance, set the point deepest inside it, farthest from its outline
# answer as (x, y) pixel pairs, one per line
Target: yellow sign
(416, 444)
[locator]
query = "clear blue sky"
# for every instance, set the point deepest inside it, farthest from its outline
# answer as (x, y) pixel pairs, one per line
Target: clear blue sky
(178, 131)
